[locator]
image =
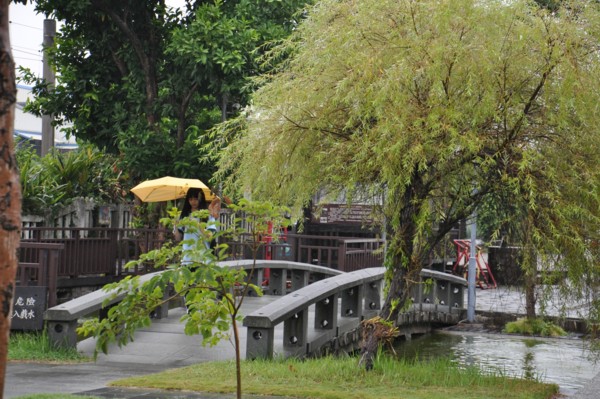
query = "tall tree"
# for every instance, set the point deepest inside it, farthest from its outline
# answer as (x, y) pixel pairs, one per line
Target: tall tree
(436, 106)
(10, 191)
(146, 81)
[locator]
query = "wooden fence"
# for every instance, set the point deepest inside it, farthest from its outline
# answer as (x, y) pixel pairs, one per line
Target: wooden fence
(93, 251)
(71, 257)
(41, 270)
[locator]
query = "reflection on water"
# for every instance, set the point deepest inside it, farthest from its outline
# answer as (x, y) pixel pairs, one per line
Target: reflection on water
(561, 361)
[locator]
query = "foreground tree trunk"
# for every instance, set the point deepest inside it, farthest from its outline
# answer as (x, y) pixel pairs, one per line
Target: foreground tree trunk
(10, 191)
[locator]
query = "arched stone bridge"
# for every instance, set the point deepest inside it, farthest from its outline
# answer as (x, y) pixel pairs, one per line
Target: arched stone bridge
(311, 310)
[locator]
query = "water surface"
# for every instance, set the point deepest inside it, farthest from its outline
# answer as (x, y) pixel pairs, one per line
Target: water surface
(563, 361)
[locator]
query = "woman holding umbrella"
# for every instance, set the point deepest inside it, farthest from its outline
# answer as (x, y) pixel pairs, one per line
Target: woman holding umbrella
(196, 195)
(195, 201)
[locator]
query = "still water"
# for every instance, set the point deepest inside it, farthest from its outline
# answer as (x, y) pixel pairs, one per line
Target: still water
(563, 361)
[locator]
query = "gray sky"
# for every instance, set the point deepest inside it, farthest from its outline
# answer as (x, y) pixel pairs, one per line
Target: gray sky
(26, 34)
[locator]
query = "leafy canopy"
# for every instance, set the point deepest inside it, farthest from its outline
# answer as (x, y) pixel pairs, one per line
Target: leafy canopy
(437, 106)
(146, 81)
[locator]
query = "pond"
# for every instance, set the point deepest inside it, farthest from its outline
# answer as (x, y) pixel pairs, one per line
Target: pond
(563, 361)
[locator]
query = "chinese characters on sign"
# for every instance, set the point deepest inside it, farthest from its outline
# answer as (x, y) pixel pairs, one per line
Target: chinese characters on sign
(28, 308)
(24, 308)
(343, 214)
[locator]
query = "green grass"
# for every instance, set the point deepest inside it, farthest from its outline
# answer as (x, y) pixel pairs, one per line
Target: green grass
(37, 347)
(55, 396)
(343, 378)
(540, 327)
(326, 378)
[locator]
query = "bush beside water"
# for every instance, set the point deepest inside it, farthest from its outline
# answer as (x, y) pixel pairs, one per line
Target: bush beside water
(537, 327)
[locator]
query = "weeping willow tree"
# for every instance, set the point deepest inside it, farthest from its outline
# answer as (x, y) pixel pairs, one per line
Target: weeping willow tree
(436, 106)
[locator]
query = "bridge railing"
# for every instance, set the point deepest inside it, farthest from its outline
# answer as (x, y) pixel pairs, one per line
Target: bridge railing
(62, 320)
(349, 295)
(339, 304)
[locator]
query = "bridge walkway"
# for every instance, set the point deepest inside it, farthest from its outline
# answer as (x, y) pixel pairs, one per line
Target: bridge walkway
(164, 342)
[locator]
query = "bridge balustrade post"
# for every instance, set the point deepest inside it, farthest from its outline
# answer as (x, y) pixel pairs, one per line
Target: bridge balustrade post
(256, 277)
(442, 289)
(259, 343)
(352, 301)
(295, 330)
(373, 295)
(456, 296)
(63, 334)
(162, 311)
(326, 312)
(277, 281)
(53, 263)
(417, 296)
(342, 256)
(299, 279)
(428, 293)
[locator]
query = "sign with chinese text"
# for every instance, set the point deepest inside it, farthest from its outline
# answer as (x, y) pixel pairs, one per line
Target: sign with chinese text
(29, 304)
(343, 214)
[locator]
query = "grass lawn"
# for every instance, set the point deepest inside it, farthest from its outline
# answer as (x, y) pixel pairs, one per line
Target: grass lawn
(56, 396)
(325, 378)
(342, 378)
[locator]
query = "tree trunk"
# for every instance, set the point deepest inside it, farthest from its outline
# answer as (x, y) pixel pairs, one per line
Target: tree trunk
(406, 255)
(530, 299)
(530, 283)
(529, 262)
(405, 266)
(10, 191)
(238, 357)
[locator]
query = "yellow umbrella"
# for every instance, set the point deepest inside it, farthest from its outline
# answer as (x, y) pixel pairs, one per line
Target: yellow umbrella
(169, 188)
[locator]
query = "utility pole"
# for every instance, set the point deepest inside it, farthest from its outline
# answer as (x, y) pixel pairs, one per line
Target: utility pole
(472, 271)
(48, 75)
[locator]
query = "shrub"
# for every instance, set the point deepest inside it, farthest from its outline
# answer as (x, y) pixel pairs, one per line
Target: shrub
(536, 326)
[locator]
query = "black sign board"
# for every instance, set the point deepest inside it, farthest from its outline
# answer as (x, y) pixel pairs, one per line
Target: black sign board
(29, 305)
(342, 214)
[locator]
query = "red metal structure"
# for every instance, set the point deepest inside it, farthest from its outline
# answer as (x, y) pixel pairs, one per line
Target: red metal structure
(485, 278)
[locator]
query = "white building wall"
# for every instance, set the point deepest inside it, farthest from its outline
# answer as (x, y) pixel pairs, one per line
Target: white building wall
(30, 126)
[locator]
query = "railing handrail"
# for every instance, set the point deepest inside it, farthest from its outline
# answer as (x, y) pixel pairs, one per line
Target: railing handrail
(281, 309)
(360, 240)
(96, 255)
(279, 264)
(41, 245)
(435, 274)
(292, 310)
(103, 228)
